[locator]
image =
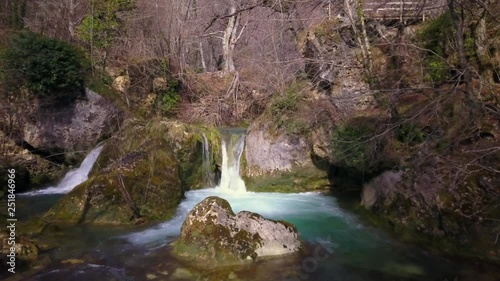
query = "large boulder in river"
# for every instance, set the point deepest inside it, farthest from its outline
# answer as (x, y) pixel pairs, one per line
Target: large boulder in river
(141, 174)
(212, 232)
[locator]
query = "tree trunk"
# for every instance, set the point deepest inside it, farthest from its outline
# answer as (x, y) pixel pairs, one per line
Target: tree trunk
(361, 36)
(202, 58)
(368, 59)
(71, 18)
(229, 40)
(459, 36)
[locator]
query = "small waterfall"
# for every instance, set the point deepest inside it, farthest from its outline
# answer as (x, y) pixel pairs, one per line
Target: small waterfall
(206, 166)
(73, 177)
(233, 143)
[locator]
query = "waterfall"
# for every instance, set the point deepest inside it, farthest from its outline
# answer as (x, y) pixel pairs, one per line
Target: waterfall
(233, 143)
(206, 165)
(73, 177)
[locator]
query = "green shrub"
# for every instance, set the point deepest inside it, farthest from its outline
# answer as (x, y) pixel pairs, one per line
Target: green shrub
(43, 65)
(169, 98)
(353, 144)
(410, 134)
(436, 37)
(284, 107)
(437, 69)
(102, 26)
(282, 104)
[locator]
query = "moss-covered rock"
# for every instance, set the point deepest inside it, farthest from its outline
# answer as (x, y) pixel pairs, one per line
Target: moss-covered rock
(298, 179)
(25, 249)
(422, 207)
(141, 174)
(213, 233)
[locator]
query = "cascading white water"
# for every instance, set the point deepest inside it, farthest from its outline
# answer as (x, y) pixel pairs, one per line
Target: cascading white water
(206, 165)
(72, 178)
(232, 149)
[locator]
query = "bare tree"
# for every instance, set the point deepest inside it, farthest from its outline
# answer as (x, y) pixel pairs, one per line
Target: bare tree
(352, 7)
(457, 14)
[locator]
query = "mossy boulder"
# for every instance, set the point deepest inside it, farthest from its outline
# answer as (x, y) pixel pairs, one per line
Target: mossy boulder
(213, 233)
(141, 174)
(420, 205)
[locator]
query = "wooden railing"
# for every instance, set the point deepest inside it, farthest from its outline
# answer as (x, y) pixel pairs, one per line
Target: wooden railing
(403, 10)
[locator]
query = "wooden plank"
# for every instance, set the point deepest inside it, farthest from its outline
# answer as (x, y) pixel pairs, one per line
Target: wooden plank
(390, 9)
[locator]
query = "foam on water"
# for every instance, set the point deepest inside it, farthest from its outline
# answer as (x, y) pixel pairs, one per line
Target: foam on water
(300, 209)
(72, 178)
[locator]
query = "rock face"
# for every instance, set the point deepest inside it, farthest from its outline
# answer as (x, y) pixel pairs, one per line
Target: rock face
(40, 139)
(279, 162)
(212, 232)
(421, 203)
(380, 188)
(140, 175)
(266, 153)
(32, 171)
(72, 128)
(330, 49)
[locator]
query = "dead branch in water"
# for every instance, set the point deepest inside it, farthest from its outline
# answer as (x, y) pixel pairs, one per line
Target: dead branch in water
(128, 199)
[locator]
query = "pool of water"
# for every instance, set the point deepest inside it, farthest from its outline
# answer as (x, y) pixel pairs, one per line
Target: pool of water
(337, 247)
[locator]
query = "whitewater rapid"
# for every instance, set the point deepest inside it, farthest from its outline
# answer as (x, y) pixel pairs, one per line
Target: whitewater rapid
(298, 208)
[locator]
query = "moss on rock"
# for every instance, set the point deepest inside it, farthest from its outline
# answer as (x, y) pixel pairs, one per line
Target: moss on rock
(141, 175)
(213, 233)
(299, 179)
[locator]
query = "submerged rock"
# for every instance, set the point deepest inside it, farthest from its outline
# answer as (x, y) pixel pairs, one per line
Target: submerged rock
(212, 232)
(25, 249)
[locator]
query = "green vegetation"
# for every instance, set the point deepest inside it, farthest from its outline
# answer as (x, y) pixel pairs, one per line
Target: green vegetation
(353, 144)
(284, 110)
(43, 65)
(435, 37)
(410, 134)
(299, 179)
(286, 102)
(169, 98)
(101, 26)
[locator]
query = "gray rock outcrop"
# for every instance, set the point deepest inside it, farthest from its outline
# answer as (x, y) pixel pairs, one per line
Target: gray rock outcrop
(380, 188)
(266, 153)
(330, 52)
(279, 162)
(77, 127)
